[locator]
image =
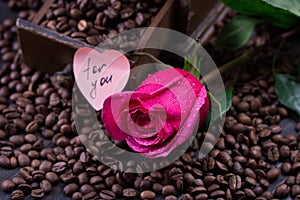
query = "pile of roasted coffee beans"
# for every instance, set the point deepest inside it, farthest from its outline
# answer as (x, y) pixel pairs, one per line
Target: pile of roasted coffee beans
(94, 21)
(38, 136)
(24, 4)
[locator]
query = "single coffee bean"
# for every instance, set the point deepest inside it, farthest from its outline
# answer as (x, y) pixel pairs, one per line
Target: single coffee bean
(23, 160)
(20, 123)
(59, 167)
(217, 193)
(33, 154)
(284, 152)
(106, 194)
(47, 134)
(70, 189)
(202, 196)
(2, 134)
(50, 120)
(45, 166)
(82, 25)
(129, 192)
(18, 180)
(91, 195)
(273, 173)
(86, 188)
(7, 185)
(4, 162)
(75, 13)
(17, 195)
(157, 188)
(169, 190)
(145, 185)
(17, 140)
(77, 196)
(286, 168)
(6, 151)
(249, 193)
(35, 163)
(281, 191)
(235, 182)
(273, 154)
(32, 127)
(83, 178)
(37, 193)
(25, 188)
(30, 138)
(52, 177)
(68, 177)
(295, 190)
(250, 173)
(290, 180)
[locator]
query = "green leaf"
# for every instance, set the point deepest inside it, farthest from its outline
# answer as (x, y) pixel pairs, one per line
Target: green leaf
(237, 33)
(288, 91)
(220, 104)
(229, 92)
(192, 63)
(276, 16)
(292, 6)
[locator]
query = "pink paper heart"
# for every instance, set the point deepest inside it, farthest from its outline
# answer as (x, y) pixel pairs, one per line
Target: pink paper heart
(99, 75)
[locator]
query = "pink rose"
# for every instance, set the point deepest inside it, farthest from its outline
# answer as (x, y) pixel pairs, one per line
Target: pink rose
(159, 115)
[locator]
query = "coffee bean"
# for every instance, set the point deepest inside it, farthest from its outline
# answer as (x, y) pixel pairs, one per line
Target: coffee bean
(106, 194)
(4, 162)
(18, 180)
(77, 196)
(169, 190)
(3, 121)
(82, 25)
(290, 180)
(59, 167)
(17, 195)
(91, 195)
(6, 151)
(7, 185)
(147, 195)
(273, 154)
(129, 192)
(52, 177)
(17, 140)
(286, 168)
(2, 134)
(23, 160)
(25, 188)
(86, 188)
(35, 163)
(20, 124)
(45, 166)
(50, 120)
(37, 193)
(235, 182)
(273, 173)
(281, 191)
(47, 134)
(295, 190)
(70, 189)
(62, 141)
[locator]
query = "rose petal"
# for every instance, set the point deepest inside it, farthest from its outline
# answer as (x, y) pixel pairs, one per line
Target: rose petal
(183, 133)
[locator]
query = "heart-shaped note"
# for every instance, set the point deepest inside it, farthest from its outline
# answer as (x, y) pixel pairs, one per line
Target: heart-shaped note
(99, 75)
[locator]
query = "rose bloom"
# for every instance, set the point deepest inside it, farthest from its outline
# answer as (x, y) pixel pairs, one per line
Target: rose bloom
(159, 115)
